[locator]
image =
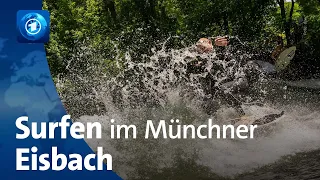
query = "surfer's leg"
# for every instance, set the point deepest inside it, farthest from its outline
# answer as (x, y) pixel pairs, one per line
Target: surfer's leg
(253, 71)
(232, 101)
(236, 86)
(209, 105)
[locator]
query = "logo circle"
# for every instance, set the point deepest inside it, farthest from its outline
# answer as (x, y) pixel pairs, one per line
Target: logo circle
(37, 29)
(33, 26)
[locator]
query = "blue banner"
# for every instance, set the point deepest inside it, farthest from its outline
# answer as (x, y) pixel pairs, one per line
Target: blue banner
(27, 89)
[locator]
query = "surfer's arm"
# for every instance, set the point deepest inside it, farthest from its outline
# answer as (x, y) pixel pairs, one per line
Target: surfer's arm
(276, 52)
(221, 41)
(226, 41)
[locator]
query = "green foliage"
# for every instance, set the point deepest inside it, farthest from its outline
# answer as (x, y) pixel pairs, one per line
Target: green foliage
(139, 25)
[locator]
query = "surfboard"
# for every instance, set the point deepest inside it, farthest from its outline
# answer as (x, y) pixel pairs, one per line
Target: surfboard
(253, 120)
(285, 58)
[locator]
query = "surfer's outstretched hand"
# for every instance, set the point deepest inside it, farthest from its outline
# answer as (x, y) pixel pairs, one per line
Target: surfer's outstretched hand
(221, 41)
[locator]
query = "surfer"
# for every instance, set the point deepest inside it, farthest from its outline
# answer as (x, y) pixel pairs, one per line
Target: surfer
(205, 45)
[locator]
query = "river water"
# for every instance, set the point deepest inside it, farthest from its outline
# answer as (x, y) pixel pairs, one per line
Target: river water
(297, 131)
(165, 84)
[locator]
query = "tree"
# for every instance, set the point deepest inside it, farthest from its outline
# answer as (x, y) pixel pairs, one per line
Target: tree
(287, 23)
(110, 7)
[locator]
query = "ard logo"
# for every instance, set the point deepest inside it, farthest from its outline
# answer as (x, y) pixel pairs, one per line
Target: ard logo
(33, 26)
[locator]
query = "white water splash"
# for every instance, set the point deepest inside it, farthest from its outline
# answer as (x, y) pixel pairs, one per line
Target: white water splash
(162, 78)
(297, 131)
